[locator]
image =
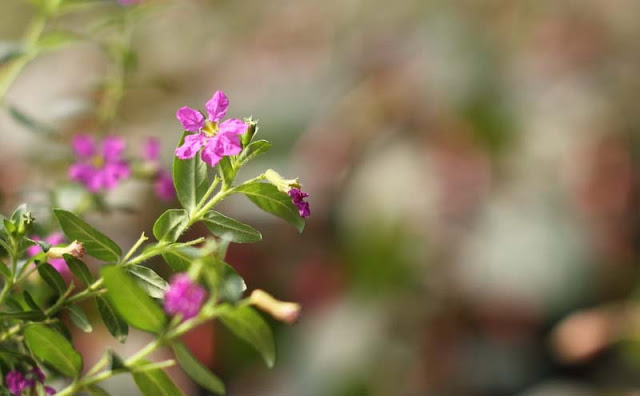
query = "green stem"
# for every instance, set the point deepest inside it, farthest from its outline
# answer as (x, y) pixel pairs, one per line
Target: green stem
(206, 196)
(133, 249)
(30, 40)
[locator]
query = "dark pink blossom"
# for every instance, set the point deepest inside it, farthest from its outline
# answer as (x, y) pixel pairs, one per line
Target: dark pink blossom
(163, 186)
(184, 297)
(216, 138)
(99, 168)
(297, 197)
(15, 382)
(151, 149)
(59, 264)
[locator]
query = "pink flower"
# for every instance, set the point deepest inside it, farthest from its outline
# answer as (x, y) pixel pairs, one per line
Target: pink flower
(16, 382)
(163, 186)
(99, 169)
(297, 197)
(184, 297)
(218, 138)
(151, 149)
(59, 264)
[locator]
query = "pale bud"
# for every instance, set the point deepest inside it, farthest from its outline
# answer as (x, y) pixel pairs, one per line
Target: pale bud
(75, 249)
(281, 310)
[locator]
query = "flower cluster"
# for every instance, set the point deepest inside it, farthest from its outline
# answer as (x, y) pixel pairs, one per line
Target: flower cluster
(184, 297)
(297, 197)
(17, 382)
(217, 138)
(99, 167)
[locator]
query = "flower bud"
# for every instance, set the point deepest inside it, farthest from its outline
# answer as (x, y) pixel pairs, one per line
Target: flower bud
(282, 184)
(285, 311)
(75, 249)
(251, 131)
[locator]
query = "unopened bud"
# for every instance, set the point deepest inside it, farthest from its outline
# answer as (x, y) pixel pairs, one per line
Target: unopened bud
(282, 184)
(75, 249)
(285, 311)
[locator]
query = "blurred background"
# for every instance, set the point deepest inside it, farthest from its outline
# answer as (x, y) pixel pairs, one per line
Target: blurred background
(472, 166)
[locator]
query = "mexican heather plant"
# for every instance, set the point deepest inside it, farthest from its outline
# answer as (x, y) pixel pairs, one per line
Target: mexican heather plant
(127, 293)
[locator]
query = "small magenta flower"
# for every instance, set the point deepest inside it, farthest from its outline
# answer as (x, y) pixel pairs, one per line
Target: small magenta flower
(15, 382)
(297, 197)
(58, 263)
(184, 297)
(163, 182)
(163, 186)
(99, 169)
(218, 138)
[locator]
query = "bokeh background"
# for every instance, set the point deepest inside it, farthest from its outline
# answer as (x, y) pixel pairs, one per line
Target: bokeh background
(473, 169)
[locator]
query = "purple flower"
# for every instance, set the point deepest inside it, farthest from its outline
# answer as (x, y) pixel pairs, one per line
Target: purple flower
(98, 168)
(184, 297)
(59, 264)
(163, 186)
(297, 197)
(218, 138)
(151, 149)
(15, 382)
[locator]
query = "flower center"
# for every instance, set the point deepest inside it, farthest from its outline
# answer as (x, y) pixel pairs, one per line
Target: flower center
(210, 128)
(97, 161)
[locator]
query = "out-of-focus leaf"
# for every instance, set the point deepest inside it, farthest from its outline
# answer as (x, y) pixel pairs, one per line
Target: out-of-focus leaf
(248, 325)
(179, 259)
(53, 349)
(52, 278)
(196, 370)
(79, 318)
(155, 383)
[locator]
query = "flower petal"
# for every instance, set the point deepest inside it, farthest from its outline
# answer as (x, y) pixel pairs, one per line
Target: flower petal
(191, 120)
(209, 154)
(227, 144)
(217, 106)
(163, 186)
(113, 173)
(233, 125)
(112, 147)
(151, 149)
(83, 145)
(191, 145)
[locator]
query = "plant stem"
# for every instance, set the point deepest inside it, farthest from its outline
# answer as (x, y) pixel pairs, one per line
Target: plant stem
(31, 37)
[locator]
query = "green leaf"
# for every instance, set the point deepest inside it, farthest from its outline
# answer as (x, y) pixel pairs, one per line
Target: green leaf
(248, 325)
(52, 278)
(53, 349)
(253, 150)
(95, 390)
(227, 172)
(95, 243)
(190, 179)
(179, 259)
(268, 198)
(155, 383)
(170, 225)
(24, 315)
(29, 122)
(224, 279)
(4, 270)
(28, 298)
(149, 280)
(131, 302)
(112, 321)
(79, 318)
(116, 362)
(231, 229)
(79, 269)
(196, 370)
